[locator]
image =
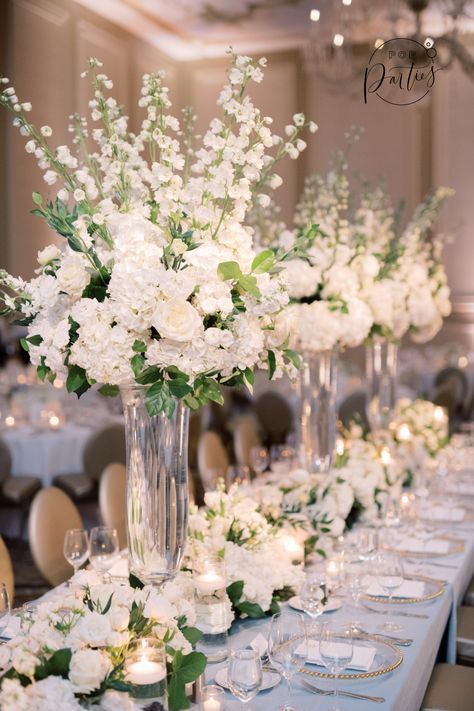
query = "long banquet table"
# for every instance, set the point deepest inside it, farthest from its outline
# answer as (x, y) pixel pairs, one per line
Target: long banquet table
(404, 688)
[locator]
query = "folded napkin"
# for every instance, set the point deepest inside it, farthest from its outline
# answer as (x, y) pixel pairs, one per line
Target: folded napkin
(409, 588)
(12, 627)
(259, 644)
(442, 513)
(362, 657)
(462, 488)
(416, 545)
(119, 568)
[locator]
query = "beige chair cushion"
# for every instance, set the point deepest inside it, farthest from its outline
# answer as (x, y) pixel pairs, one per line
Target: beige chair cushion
(245, 437)
(6, 570)
(78, 486)
(469, 597)
(465, 633)
(112, 499)
(52, 513)
(20, 489)
(451, 688)
(105, 447)
(212, 458)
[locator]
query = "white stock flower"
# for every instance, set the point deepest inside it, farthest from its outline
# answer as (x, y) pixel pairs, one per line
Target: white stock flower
(46, 255)
(88, 669)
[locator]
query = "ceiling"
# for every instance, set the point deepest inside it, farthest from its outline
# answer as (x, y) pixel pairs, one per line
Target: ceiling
(189, 29)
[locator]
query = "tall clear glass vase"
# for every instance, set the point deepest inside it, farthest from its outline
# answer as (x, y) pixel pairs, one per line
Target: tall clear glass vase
(157, 487)
(318, 410)
(381, 369)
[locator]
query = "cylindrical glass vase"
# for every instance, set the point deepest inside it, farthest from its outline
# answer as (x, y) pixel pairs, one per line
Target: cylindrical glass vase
(318, 410)
(381, 368)
(157, 487)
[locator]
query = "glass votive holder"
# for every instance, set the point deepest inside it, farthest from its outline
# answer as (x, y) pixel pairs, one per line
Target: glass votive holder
(145, 670)
(212, 608)
(212, 698)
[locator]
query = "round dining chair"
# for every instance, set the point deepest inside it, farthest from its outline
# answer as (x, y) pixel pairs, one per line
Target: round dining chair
(246, 436)
(212, 458)
(52, 514)
(112, 498)
(6, 570)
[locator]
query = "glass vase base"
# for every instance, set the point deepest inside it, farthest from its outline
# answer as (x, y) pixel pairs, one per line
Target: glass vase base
(214, 646)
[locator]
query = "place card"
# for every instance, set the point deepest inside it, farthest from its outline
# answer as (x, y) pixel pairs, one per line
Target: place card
(362, 657)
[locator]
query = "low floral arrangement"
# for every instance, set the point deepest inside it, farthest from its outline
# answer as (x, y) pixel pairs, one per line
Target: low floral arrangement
(426, 422)
(323, 507)
(71, 655)
(157, 282)
(259, 572)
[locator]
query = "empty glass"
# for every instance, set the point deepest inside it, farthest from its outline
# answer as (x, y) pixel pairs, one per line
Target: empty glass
(259, 459)
(288, 647)
(4, 607)
(313, 595)
(390, 577)
(103, 548)
(76, 547)
(244, 674)
(336, 649)
(237, 474)
(282, 458)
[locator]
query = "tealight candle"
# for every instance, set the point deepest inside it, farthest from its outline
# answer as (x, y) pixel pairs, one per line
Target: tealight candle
(294, 549)
(404, 433)
(209, 582)
(10, 421)
(340, 447)
(54, 422)
(145, 672)
(385, 456)
(212, 698)
(333, 573)
(439, 414)
(145, 669)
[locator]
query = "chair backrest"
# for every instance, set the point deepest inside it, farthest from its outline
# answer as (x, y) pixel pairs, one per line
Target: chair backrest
(52, 513)
(275, 417)
(104, 447)
(112, 490)
(212, 458)
(5, 461)
(245, 437)
(6, 570)
(353, 409)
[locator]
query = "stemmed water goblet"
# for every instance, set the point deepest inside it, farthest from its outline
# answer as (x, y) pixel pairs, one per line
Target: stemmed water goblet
(390, 577)
(336, 648)
(288, 648)
(103, 549)
(259, 459)
(76, 548)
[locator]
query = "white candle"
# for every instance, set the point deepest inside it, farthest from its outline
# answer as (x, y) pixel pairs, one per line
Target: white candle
(209, 582)
(145, 672)
(404, 433)
(340, 447)
(54, 422)
(438, 414)
(294, 549)
(385, 456)
(10, 421)
(211, 705)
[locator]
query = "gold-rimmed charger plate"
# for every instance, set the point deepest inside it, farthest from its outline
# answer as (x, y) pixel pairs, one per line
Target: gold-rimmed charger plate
(388, 657)
(456, 546)
(433, 589)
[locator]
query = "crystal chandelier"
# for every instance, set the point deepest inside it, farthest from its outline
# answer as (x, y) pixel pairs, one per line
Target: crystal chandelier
(339, 34)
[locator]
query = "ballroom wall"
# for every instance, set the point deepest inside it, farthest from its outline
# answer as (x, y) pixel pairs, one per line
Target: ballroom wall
(44, 46)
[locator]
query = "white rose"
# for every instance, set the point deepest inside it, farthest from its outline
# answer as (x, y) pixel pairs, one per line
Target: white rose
(116, 701)
(177, 320)
(119, 618)
(46, 255)
(88, 669)
(24, 661)
(72, 276)
(93, 629)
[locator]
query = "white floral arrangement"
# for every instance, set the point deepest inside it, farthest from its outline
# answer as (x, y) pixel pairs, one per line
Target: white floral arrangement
(258, 571)
(157, 282)
(425, 429)
(409, 291)
(71, 654)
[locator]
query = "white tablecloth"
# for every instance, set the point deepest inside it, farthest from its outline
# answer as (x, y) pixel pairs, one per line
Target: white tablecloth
(48, 453)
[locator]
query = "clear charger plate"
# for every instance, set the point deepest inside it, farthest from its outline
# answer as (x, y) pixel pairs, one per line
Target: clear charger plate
(455, 546)
(270, 678)
(433, 589)
(387, 658)
(333, 604)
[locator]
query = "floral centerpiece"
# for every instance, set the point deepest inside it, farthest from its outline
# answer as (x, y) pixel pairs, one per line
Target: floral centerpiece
(71, 654)
(157, 282)
(258, 571)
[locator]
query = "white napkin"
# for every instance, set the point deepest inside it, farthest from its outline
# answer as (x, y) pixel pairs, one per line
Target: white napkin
(409, 588)
(442, 513)
(462, 488)
(415, 545)
(119, 569)
(12, 628)
(362, 657)
(259, 644)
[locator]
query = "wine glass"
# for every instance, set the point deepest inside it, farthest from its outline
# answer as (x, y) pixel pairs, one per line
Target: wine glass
(4, 606)
(76, 548)
(103, 548)
(336, 648)
(282, 457)
(390, 577)
(244, 674)
(313, 596)
(288, 647)
(259, 459)
(237, 474)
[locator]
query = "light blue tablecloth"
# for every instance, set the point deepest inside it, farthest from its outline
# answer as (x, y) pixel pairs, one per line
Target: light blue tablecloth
(404, 688)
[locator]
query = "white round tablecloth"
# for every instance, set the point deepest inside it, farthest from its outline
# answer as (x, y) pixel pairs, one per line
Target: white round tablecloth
(46, 454)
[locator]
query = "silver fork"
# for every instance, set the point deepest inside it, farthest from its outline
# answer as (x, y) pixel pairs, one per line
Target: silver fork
(397, 613)
(349, 694)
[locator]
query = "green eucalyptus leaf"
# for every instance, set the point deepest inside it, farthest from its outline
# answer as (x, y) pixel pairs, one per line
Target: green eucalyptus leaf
(263, 262)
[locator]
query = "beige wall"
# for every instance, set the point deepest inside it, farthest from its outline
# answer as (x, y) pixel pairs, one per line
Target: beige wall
(44, 46)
